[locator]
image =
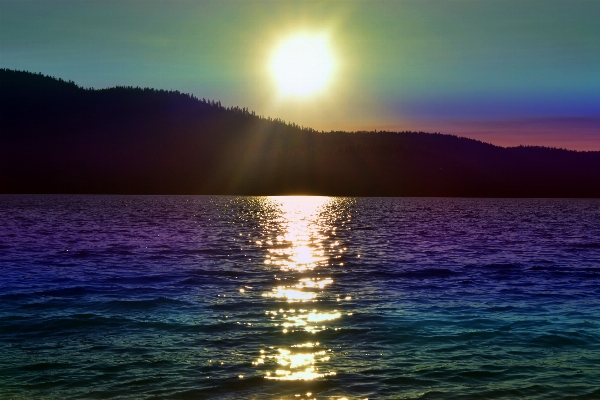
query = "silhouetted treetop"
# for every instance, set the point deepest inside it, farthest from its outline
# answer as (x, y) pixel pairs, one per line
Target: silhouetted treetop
(58, 137)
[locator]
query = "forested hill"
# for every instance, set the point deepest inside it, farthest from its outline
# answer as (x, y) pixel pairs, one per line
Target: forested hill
(56, 137)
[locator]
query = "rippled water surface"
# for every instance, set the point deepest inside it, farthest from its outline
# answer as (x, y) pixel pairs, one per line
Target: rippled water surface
(298, 298)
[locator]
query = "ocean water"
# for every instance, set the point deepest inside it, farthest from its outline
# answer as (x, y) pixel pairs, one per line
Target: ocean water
(199, 297)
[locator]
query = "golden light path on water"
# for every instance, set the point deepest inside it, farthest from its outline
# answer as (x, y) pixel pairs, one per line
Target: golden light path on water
(298, 258)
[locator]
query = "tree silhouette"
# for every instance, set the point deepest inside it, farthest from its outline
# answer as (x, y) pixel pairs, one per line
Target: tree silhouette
(56, 137)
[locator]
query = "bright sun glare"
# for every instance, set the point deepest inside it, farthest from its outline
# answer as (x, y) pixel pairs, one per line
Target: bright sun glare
(303, 65)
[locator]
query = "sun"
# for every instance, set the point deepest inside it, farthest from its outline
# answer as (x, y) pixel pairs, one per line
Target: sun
(302, 65)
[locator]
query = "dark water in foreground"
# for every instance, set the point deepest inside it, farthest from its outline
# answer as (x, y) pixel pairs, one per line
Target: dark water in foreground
(298, 297)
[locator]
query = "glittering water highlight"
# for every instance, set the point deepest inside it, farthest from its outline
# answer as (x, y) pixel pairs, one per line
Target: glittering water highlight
(300, 255)
(183, 297)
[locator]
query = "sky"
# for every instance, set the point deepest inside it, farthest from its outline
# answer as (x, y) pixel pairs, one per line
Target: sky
(506, 72)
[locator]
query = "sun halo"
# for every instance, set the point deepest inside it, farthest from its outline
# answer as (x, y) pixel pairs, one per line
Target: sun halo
(302, 65)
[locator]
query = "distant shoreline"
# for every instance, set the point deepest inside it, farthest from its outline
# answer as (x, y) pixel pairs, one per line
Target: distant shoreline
(58, 138)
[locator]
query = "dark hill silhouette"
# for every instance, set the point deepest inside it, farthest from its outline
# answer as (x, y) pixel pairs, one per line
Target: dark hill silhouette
(56, 137)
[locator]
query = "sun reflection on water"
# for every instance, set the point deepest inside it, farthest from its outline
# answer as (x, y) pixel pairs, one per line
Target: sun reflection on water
(308, 320)
(296, 251)
(296, 364)
(290, 295)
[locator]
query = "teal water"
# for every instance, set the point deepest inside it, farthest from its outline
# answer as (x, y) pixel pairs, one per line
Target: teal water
(174, 297)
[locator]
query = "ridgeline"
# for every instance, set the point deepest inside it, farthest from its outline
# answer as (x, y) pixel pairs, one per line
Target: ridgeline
(56, 137)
